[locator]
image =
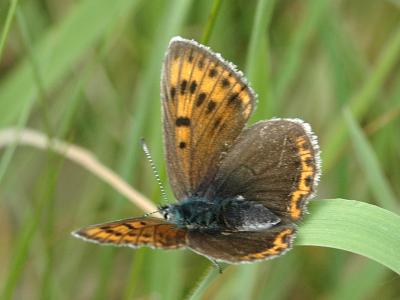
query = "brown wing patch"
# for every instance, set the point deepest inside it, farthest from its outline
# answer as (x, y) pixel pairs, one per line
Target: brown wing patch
(239, 247)
(274, 162)
(280, 244)
(136, 232)
(206, 104)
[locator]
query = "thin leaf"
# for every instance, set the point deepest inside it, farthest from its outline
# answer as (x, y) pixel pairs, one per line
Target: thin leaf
(211, 21)
(361, 101)
(354, 226)
(366, 157)
(7, 24)
(58, 51)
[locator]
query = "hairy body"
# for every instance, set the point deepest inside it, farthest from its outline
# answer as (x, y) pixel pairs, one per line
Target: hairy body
(231, 214)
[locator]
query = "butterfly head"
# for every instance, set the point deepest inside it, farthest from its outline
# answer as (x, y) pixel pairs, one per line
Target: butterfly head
(171, 213)
(189, 213)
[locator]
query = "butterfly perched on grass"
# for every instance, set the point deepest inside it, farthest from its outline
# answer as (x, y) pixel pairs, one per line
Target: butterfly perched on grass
(240, 190)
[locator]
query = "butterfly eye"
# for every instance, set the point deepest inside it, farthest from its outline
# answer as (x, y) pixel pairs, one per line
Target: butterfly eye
(164, 211)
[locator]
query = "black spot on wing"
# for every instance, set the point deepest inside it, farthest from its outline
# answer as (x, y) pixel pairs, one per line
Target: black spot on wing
(200, 99)
(182, 121)
(193, 86)
(127, 225)
(173, 92)
(234, 99)
(225, 83)
(309, 181)
(211, 106)
(183, 86)
(217, 123)
(213, 72)
(190, 58)
(200, 64)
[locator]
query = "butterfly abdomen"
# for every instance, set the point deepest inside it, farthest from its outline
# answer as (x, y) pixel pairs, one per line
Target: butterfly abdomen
(244, 215)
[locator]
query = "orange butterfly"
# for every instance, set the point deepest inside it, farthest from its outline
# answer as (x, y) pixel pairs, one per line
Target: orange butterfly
(240, 191)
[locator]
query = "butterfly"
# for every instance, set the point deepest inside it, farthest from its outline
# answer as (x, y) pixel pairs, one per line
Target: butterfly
(240, 190)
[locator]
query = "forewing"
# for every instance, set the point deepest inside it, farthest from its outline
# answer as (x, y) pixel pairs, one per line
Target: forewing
(241, 247)
(205, 104)
(275, 162)
(135, 232)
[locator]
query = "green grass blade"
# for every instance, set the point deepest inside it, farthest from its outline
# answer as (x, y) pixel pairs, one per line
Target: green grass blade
(211, 21)
(244, 282)
(353, 226)
(263, 14)
(30, 227)
(58, 51)
(360, 284)
(7, 24)
(258, 63)
(367, 159)
(9, 152)
(209, 277)
(281, 274)
(360, 102)
(347, 66)
(36, 71)
(292, 59)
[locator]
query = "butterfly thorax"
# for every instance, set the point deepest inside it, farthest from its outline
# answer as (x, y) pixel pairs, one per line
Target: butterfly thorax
(232, 214)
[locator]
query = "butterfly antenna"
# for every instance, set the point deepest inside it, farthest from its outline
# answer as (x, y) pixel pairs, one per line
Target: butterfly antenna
(154, 169)
(151, 213)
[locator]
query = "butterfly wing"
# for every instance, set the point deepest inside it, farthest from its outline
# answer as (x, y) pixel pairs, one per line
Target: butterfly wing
(239, 247)
(135, 232)
(275, 162)
(205, 104)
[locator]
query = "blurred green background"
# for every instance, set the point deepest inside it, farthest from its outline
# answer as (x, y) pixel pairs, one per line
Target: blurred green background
(88, 72)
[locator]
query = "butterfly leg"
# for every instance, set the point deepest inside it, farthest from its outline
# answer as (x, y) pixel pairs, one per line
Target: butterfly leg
(217, 265)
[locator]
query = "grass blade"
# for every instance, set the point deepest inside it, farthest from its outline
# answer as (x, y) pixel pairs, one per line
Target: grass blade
(361, 283)
(354, 226)
(58, 51)
(378, 184)
(360, 102)
(211, 21)
(258, 63)
(7, 24)
(211, 274)
(292, 59)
